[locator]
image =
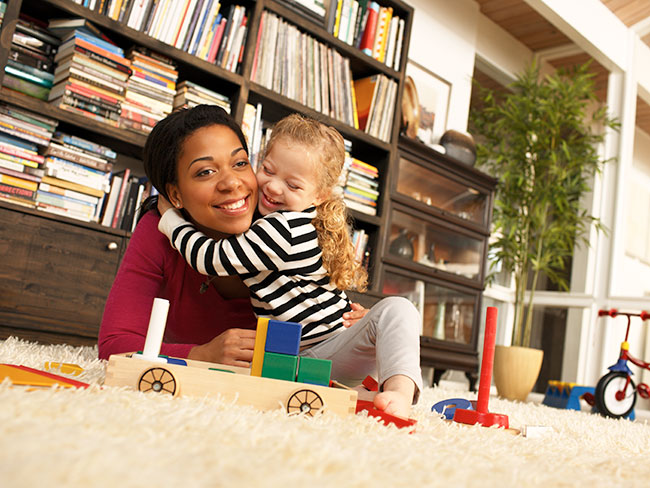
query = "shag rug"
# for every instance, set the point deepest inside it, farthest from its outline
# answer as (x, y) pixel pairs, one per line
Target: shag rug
(117, 438)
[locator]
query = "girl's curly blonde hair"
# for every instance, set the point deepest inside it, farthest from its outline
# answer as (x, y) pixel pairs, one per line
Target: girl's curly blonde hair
(326, 146)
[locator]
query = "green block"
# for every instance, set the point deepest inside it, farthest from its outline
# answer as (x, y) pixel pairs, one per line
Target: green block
(314, 371)
(279, 366)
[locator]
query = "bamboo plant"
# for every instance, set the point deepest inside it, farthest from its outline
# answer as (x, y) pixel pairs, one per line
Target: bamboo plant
(540, 140)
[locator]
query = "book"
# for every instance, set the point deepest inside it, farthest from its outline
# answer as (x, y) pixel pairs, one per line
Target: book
(109, 207)
(365, 90)
(20, 72)
(72, 185)
(17, 181)
(368, 38)
(85, 145)
(93, 39)
(79, 157)
(124, 174)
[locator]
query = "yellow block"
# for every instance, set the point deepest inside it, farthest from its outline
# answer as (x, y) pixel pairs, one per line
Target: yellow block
(260, 345)
(64, 368)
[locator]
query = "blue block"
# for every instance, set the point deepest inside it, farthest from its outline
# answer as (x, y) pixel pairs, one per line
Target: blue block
(283, 337)
(448, 407)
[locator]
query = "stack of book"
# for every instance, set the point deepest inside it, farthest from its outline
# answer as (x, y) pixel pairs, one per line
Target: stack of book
(375, 104)
(190, 94)
(195, 26)
(370, 27)
(124, 201)
(23, 134)
(30, 63)
(299, 67)
(90, 76)
(361, 188)
(77, 177)
(252, 127)
(150, 90)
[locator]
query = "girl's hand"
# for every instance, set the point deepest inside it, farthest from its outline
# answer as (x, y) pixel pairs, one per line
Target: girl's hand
(233, 347)
(163, 204)
(358, 312)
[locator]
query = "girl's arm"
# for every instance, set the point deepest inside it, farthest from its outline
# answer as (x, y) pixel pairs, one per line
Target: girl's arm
(272, 243)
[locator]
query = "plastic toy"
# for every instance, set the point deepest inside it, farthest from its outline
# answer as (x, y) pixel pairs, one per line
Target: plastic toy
(447, 408)
(148, 371)
(386, 418)
(25, 376)
(616, 393)
(481, 415)
(560, 394)
(64, 368)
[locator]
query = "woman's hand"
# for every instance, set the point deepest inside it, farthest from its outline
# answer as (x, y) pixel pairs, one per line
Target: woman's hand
(233, 347)
(358, 312)
(163, 204)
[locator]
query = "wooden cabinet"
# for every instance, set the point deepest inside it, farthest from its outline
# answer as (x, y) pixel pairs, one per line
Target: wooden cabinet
(55, 275)
(435, 250)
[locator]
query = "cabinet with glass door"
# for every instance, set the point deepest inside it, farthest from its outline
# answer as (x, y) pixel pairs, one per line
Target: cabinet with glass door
(435, 249)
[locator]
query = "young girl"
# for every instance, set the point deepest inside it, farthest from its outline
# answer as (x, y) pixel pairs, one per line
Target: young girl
(298, 258)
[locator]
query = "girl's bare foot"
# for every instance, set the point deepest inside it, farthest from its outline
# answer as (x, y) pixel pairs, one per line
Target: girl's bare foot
(397, 397)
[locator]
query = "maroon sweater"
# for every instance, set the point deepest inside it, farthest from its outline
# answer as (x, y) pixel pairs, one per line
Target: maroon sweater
(151, 268)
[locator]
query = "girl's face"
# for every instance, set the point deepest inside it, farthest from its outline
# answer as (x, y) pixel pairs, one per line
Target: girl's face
(216, 184)
(287, 179)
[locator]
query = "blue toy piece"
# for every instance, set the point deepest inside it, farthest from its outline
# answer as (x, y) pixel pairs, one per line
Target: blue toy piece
(283, 337)
(448, 407)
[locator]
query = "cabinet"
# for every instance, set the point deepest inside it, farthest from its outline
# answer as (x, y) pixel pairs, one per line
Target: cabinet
(435, 249)
(55, 275)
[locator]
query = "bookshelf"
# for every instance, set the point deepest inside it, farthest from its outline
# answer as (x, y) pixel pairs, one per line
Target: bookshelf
(426, 235)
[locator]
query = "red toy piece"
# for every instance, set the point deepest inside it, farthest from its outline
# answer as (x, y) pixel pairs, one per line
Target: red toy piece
(370, 384)
(481, 414)
(386, 418)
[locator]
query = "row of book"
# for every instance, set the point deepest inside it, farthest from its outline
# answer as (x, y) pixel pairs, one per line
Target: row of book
(301, 68)
(360, 184)
(194, 26)
(368, 26)
(255, 132)
(360, 244)
(376, 97)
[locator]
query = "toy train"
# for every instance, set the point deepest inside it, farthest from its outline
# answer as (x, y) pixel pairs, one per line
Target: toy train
(278, 376)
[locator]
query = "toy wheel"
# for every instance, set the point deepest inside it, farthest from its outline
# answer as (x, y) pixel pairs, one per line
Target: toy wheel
(158, 380)
(607, 402)
(307, 402)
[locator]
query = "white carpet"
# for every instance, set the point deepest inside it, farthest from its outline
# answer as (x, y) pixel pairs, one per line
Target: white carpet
(117, 438)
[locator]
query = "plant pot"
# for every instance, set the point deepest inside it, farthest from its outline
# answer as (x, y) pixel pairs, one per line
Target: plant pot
(516, 370)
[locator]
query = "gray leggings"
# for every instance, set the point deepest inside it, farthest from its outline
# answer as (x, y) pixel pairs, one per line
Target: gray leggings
(385, 343)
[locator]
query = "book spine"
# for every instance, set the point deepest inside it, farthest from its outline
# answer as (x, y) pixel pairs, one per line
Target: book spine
(368, 38)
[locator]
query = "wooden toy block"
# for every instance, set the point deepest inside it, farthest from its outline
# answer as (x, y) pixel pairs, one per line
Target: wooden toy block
(260, 343)
(314, 371)
(370, 384)
(241, 389)
(25, 376)
(280, 366)
(283, 337)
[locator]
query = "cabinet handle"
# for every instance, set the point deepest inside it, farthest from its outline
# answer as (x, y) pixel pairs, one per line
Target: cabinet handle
(111, 246)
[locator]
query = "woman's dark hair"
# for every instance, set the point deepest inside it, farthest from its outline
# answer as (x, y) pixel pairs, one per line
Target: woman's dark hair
(164, 143)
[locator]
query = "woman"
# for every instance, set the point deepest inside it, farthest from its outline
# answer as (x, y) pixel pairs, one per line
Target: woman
(202, 153)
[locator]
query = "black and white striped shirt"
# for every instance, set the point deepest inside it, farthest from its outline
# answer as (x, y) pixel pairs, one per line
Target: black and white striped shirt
(280, 261)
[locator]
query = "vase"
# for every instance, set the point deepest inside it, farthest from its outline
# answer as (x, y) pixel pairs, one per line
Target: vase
(516, 370)
(402, 246)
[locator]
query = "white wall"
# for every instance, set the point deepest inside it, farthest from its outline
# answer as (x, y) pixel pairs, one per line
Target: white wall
(443, 39)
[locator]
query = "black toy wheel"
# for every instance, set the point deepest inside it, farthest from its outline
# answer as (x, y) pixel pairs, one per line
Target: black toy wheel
(607, 389)
(158, 380)
(307, 402)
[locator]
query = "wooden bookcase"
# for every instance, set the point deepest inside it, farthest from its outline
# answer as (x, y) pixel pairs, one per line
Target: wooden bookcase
(55, 273)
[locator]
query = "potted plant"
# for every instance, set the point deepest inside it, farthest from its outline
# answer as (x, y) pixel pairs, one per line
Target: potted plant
(540, 141)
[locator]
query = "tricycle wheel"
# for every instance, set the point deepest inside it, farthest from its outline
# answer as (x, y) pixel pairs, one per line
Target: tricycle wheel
(607, 388)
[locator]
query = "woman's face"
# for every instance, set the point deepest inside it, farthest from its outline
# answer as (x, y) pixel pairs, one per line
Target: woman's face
(216, 184)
